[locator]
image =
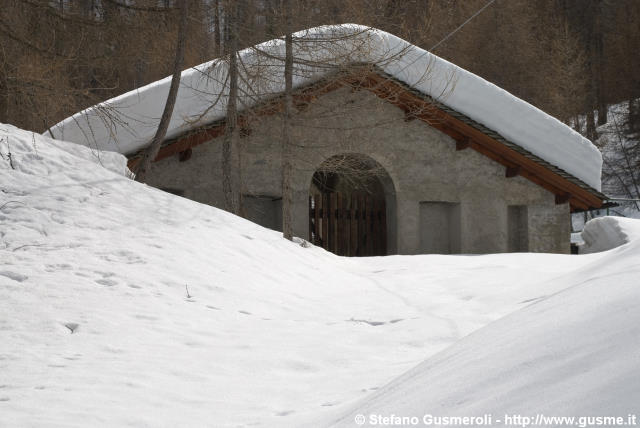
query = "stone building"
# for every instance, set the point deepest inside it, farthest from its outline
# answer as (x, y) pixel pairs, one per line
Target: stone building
(435, 179)
(441, 195)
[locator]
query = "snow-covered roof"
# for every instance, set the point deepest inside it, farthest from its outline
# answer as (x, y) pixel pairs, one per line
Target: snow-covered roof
(128, 122)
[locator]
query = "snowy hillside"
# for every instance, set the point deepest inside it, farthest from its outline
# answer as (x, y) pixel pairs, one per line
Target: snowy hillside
(121, 305)
(574, 353)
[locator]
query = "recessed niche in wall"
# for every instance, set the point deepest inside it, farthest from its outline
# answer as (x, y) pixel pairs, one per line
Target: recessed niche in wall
(517, 228)
(264, 210)
(439, 227)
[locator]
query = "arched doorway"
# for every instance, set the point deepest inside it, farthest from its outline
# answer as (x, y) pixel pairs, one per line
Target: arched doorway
(352, 207)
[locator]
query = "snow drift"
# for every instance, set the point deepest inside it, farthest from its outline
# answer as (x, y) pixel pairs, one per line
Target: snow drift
(605, 233)
(574, 353)
(121, 305)
(128, 122)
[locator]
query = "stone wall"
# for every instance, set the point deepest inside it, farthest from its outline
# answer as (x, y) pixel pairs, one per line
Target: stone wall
(423, 170)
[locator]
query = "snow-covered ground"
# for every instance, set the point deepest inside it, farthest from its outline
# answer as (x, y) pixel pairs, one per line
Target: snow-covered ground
(121, 305)
(574, 354)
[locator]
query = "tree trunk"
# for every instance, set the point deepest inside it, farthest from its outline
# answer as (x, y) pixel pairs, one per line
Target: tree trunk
(633, 120)
(602, 114)
(576, 124)
(152, 151)
(591, 126)
(231, 198)
(218, 31)
(599, 62)
(4, 97)
(287, 198)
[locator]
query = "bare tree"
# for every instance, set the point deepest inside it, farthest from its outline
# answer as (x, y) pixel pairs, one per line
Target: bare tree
(229, 187)
(217, 29)
(152, 150)
(287, 197)
(620, 146)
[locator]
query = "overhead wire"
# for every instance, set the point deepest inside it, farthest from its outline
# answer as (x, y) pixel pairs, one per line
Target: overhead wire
(448, 36)
(462, 25)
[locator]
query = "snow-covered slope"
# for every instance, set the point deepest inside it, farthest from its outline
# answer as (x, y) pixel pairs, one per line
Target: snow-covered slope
(121, 305)
(605, 233)
(574, 353)
(128, 122)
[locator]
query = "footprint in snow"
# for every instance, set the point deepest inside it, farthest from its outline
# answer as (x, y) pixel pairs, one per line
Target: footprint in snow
(124, 256)
(245, 313)
(373, 323)
(72, 326)
(104, 274)
(106, 282)
(284, 413)
(57, 267)
(535, 299)
(145, 317)
(14, 275)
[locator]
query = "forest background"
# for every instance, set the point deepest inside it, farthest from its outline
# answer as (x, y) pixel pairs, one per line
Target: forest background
(571, 58)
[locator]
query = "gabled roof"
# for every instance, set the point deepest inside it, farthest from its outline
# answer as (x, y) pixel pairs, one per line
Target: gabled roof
(127, 123)
(466, 132)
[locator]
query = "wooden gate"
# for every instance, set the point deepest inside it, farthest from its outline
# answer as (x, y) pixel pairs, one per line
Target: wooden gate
(355, 226)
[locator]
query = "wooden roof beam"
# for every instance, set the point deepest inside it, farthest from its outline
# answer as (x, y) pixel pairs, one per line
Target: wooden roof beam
(563, 198)
(576, 203)
(185, 155)
(409, 116)
(463, 143)
(512, 171)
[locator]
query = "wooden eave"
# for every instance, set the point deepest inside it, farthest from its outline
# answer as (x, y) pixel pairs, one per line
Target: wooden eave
(465, 131)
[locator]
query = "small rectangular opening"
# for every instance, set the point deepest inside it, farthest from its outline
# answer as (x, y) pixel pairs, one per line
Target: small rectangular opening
(518, 228)
(264, 210)
(439, 227)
